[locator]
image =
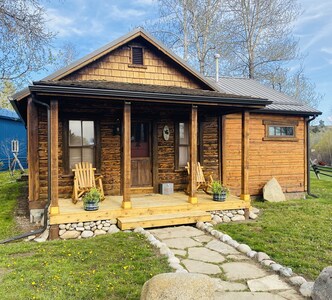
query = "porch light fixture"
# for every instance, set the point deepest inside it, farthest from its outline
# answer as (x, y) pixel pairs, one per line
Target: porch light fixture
(117, 128)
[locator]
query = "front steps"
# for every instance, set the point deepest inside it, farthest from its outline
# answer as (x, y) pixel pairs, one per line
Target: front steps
(150, 221)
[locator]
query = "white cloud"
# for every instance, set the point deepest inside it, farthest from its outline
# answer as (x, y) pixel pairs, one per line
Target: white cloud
(125, 13)
(326, 50)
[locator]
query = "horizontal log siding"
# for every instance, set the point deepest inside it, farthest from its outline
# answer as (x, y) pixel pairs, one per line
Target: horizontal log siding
(110, 146)
(116, 66)
(283, 160)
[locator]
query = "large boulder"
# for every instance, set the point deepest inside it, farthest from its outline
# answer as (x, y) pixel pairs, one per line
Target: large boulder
(322, 289)
(272, 191)
(178, 286)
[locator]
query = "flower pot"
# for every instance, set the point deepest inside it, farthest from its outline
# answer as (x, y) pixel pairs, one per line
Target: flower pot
(91, 206)
(220, 197)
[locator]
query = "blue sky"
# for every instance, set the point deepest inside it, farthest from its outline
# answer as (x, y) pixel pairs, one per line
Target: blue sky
(90, 24)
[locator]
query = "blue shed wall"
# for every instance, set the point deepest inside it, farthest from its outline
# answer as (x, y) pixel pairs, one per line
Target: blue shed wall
(11, 129)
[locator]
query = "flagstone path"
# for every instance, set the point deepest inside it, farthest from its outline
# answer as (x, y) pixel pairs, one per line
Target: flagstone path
(236, 275)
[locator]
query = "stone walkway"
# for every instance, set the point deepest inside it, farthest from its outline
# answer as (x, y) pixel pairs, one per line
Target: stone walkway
(236, 275)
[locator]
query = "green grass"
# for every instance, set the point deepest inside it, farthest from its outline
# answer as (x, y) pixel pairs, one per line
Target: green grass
(106, 267)
(294, 233)
(10, 190)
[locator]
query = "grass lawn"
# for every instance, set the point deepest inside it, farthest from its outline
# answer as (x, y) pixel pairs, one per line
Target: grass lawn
(295, 233)
(9, 192)
(106, 267)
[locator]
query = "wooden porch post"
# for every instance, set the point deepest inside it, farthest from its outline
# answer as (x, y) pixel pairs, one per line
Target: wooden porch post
(54, 109)
(193, 155)
(33, 157)
(245, 157)
(126, 160)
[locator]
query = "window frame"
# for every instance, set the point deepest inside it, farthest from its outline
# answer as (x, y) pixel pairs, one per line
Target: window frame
(200, 154)
(281, 124)
(65, 143)
(132, 56)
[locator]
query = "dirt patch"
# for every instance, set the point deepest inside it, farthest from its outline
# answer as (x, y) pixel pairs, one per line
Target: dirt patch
(17, 255)
(3, 272)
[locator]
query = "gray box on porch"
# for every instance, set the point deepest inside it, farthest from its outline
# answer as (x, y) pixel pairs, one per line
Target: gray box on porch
(166, 188)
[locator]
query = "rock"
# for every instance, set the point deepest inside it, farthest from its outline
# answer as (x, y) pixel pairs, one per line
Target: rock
(62, 231)
(251, 254)
(255, 210)
(286, 272)
(208, 224)
(67, 226)
(244, 248)
(267, 262)
(213, 222)
(99, 232)
(80, 224)
(206, 255)
(174, 260)
(221, 247)
(297, 280)
(98, 222)
(180, 286)
(272, 191)
(223, 286)
(87, 227)
(233, 243)
(306, 289)
(87, 234)
(322, 289)
(242, 270)
(276, 267)
(113, 229)
(217, 234)
(68, 235)
(62, 226)
(100, 226)
(139, 230)
(199, 224)
(240, 212)
(229, 215)
(226, 219)
(261, 256)
(79, 228)
(194, 266)
(252, 216)
(238, 218)
(217, 219)
(225, 238)
(181, 243)
(113, 221)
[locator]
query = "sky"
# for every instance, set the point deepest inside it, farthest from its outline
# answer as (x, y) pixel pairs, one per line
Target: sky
(90, 24)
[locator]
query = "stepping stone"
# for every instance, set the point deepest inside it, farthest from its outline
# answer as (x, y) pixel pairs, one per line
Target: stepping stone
(179, 252)
(176, 232)
(194, 266)
(246, 296)
(181, 243)
(221, 247)
(206, 255)
(291, 295)
(242, 270)
(223, 286)
(237, 257)
(203, 238)
(268, 283)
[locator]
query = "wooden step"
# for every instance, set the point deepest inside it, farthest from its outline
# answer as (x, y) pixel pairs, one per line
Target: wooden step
(163, 220)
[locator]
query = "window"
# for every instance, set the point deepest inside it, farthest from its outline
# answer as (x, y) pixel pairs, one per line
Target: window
(81, 142)
(183, 154)
(137, 55)
(282, 131)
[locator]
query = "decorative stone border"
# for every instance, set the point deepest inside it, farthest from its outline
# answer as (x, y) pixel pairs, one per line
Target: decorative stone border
(233, 215)
(173, 261)
(261, 257)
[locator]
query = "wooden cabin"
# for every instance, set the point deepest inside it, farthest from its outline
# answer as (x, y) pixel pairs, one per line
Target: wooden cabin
(139, 113)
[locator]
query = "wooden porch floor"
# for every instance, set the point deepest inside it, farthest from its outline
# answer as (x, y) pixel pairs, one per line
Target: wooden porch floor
(142, 205)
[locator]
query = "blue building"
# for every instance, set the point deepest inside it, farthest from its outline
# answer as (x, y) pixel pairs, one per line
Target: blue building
(11, 128)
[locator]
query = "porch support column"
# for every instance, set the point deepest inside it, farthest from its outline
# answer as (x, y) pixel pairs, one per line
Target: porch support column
(126, 159)
(54, 111)
(245, 157)
(193, 155)
(33, 157)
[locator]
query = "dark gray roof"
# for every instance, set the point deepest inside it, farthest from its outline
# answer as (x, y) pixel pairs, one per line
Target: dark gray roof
(253, 88)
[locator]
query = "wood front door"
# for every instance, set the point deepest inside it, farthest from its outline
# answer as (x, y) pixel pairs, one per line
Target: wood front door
(141, 162)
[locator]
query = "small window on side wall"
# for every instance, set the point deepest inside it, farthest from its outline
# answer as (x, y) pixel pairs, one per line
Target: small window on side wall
(283, 131)
(137, 56)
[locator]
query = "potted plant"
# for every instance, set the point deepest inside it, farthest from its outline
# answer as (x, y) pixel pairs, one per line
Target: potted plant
(91, 199)
(219, 192)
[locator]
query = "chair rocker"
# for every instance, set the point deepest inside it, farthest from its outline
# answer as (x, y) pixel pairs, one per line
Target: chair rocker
(84, 180)
(203, 181)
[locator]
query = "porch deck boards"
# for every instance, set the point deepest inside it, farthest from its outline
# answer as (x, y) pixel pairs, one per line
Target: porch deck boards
(142, 205)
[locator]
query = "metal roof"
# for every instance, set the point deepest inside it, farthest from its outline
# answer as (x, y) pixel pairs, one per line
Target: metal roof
(253, 88)
(8, 114)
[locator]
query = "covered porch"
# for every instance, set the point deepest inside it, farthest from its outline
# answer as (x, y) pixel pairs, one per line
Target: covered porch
(148, 210)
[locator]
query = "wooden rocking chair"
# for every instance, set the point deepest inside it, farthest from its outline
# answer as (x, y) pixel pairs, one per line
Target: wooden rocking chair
(203, 181)
(84, 180)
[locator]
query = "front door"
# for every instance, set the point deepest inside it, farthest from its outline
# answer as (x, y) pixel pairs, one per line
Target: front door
(141, 167)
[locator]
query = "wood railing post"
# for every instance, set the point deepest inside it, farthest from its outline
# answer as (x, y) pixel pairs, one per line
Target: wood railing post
(193, 155)
(126, 159)
(245, 157)
(54, 107)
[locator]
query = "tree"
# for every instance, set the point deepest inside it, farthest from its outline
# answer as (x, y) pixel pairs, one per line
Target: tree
(7, 88)
(24, 39)
(64, 56)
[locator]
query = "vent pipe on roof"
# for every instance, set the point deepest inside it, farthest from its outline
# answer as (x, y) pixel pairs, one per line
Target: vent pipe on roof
(217, 56)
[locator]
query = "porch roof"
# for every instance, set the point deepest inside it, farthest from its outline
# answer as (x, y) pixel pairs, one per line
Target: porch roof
(140, 92)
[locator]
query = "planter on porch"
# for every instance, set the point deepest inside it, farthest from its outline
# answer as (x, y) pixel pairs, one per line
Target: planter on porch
(91, 200)
(219, 192)
(220, 197)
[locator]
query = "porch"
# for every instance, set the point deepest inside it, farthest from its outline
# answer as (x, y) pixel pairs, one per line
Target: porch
(148, 210)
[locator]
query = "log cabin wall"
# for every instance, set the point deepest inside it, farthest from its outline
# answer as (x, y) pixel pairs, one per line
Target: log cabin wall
(117, 66)
(284, 160)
